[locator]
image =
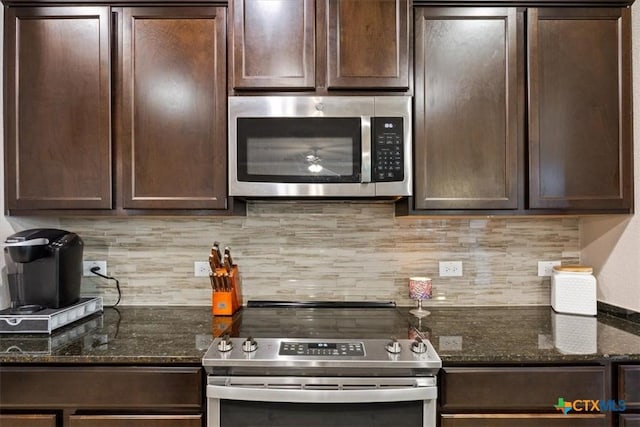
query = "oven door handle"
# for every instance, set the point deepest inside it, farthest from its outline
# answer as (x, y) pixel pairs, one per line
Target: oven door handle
(306, 395)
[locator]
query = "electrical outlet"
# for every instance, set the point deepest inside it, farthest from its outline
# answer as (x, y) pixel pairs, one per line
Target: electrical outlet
(450, 268)
(88, 265)
(201, 269)
(545, 268)
(450, 343)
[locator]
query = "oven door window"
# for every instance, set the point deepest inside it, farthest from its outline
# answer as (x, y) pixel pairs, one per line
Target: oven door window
(269, 414)
(299, 150)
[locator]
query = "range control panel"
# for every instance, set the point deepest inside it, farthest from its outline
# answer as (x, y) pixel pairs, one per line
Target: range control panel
(388, 153)
(337, 349)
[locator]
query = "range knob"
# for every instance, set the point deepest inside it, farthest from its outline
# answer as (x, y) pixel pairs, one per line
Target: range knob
(225, 344)
(418, 346)
(249, 345)
(393, 346)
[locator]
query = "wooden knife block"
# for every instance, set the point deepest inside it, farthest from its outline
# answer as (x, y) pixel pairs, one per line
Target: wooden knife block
(227, 303)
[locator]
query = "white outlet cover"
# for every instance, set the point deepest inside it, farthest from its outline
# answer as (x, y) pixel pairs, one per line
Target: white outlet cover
(450, 268)
(201, 269)
(545, 268)
(450, 343)
(88, 265)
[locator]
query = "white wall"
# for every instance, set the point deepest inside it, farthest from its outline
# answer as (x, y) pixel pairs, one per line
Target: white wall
(612, 244)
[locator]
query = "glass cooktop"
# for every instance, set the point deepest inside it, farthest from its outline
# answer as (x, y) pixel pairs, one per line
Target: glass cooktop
(324, 322)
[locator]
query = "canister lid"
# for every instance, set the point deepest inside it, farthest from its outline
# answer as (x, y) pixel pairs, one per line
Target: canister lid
(573, 269)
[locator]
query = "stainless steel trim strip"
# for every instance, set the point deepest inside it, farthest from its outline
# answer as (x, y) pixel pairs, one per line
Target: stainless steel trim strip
(322, 390)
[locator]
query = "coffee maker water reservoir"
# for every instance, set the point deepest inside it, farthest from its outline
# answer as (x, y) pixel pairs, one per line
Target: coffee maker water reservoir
(44, 268)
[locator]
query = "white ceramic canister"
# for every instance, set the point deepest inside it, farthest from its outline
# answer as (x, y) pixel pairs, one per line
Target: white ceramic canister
(573, 290)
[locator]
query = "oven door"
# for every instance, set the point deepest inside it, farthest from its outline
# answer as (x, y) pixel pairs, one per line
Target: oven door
(322, 401)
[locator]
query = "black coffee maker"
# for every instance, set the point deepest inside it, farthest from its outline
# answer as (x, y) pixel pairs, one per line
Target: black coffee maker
(44, 268)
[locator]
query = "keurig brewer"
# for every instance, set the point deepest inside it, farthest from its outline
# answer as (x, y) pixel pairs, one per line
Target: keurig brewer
(44, 268)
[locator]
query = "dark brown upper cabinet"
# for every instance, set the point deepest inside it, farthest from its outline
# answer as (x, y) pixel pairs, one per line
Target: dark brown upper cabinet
(273, 44)
(466, 108)
(477, 150)
(58, 115)
(368, 44)
(580, 147)
(173, 113)
(307, 45)
(168, 86)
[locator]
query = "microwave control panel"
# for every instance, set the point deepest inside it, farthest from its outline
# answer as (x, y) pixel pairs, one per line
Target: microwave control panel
(388, 151)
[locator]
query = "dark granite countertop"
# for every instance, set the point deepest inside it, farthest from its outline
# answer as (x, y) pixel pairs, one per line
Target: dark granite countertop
(528, 335)
(181, 335)
(126, 335)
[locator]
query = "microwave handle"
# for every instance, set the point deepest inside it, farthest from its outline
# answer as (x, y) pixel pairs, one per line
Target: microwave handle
(366, 150)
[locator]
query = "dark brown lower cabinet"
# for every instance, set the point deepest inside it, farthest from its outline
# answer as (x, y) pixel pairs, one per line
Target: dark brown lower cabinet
(629, 391)
(629, 420)
(521, 396)
(135, 421)
(28, 420)
(629, 385)
(522, 420)
(102, 396)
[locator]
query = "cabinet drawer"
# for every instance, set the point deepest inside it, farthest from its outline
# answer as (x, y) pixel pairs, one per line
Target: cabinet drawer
(523, 420)
(135, 421)
(629, 385)
(28, 420)
(520, 389)
(629, 420)
(101, 387)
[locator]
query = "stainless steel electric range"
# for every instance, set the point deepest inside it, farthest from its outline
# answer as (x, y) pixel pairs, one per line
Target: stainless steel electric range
(308, 364)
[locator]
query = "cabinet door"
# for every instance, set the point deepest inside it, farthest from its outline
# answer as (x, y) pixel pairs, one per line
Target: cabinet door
(273, 44)
(135, 421)
(58, 117)
(368, 44)
(629, 385)
(110, 387)
(527, 389)
(28, 420)
(174, 108)
(580, 108)
(629, 420)
(466, 104)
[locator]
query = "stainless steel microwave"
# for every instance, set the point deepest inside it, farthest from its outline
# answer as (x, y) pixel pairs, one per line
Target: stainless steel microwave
(307, 146)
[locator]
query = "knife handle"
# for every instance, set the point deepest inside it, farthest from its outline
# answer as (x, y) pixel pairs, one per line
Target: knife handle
(227, 263)
(227, 282)
(216, 249)
(214, 260)
(227, 252)
(218, 283)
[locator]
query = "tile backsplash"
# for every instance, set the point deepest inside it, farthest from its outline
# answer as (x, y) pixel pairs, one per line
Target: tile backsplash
(327, 251)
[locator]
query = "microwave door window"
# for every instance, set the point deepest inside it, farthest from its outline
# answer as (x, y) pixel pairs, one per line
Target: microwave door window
(299, 150)
(310, 158)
